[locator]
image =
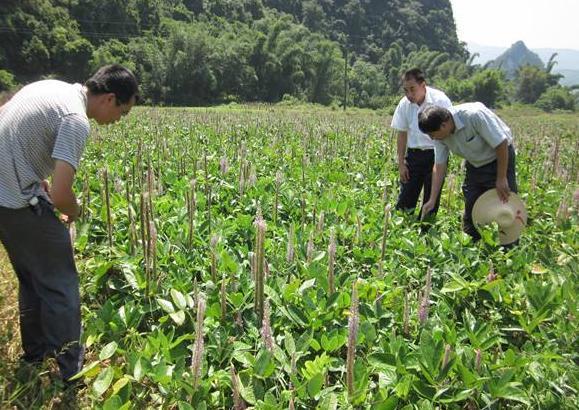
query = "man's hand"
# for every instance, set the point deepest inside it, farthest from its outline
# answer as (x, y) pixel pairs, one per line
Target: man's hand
(45, 185)
(427, 209)
(503, 189)
(404, 172)
(61, 192)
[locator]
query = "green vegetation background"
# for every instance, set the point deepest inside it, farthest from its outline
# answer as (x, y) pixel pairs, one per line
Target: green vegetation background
(206, 52)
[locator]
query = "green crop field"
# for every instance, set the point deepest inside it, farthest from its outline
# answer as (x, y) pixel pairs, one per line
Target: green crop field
(252, 258)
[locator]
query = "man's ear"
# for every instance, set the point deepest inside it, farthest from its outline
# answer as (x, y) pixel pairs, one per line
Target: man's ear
(110, 98)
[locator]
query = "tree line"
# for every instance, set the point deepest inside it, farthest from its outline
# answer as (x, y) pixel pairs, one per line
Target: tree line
(200, 52)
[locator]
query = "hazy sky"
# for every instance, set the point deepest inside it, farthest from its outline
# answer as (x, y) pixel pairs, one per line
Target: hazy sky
(539, 23)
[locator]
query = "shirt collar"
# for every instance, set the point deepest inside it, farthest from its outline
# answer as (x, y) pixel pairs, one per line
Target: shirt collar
(458, 124)
(427, 97)
(83, 93)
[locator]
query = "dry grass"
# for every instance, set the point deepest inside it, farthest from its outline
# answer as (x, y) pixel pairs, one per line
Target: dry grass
(9, 333)
(24, 387)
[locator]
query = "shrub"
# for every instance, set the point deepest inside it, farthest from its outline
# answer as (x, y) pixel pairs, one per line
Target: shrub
(556, 98)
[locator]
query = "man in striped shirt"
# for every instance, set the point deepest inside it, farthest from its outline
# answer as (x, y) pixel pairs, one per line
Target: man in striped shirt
(43, 132)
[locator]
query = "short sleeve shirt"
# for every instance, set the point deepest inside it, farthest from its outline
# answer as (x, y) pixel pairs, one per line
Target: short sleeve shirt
(405, 117)
(44, 122)
(478, 132)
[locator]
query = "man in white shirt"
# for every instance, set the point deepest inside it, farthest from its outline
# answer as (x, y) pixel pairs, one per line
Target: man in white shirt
(43, 131)
(415, 150)
(478, 135)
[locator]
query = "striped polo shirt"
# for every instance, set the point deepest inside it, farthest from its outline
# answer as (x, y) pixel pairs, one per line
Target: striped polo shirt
(45, 121)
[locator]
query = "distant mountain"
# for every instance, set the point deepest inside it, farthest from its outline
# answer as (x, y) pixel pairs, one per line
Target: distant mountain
(514, 57)
(567, 59)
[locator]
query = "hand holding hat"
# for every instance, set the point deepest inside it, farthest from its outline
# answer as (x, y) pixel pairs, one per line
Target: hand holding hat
(510, 216)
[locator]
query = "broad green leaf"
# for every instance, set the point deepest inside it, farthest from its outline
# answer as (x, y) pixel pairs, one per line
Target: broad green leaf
(183, 405)
(306, 285)
(391, 403)
(178, 317)
(165, 305)
(329, 402)
(403, 386)
(138, 371)
(113, 403)
(264, 365)
(290, 344)
(103, 381)
(315, 384)
(119, 384)
(247, 393)
(178, 299)
(89, 370)
(108, 351)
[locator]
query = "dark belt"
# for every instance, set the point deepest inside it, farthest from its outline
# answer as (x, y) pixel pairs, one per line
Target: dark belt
(420, 149)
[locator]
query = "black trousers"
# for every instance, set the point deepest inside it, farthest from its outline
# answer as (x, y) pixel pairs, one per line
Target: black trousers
(39, 248)
(420, 163)
(478, 181)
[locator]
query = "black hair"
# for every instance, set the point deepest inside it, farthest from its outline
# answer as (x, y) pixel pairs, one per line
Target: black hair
(114, 79)
(415, 74)
(430, 119)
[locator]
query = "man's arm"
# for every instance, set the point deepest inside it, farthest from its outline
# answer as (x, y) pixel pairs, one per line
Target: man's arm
(502, 183)
(401, 142)
(61, 192)
(438, 174)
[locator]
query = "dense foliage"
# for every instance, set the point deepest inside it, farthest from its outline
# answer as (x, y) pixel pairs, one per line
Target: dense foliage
(237, 258)
(201, 52)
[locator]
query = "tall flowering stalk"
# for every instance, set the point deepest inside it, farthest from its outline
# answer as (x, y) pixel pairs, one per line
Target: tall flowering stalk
(406, 320)
(310, 248)
(446, 358)
(331, 261)
(108, 206)
(209, 204)
(153, 249)
(223, 298)
(192, 207)
(197, 359)
(384, 235)
(478, 360)
(352, 336)
(320, 225)
(86, 199)
(425, 299)
(278, 181)
(213, 250)
(266, 331)
(132, 234)
(259, 264)
(238, 403)
(385, 192)
(145, 235)
(290, 254)
(224, 165)
(491, 276)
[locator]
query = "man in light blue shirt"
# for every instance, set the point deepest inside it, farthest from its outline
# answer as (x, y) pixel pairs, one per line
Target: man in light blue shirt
(478, 135)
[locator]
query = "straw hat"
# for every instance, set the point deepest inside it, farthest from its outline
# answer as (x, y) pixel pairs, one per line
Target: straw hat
(511, 217)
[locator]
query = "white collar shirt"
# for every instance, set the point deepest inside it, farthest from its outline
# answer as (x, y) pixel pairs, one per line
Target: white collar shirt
(405, 117)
